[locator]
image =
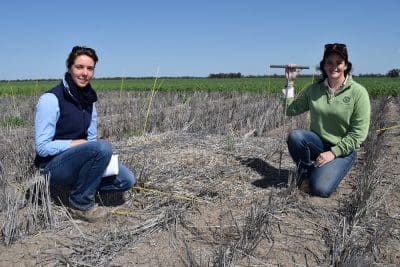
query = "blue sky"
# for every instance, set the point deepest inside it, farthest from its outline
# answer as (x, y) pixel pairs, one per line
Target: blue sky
(194, 38)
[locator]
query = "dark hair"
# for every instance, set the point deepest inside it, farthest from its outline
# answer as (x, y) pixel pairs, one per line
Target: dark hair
(339, 49)
(78, 51)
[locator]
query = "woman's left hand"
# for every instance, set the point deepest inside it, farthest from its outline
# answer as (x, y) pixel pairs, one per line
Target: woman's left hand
(324, 158)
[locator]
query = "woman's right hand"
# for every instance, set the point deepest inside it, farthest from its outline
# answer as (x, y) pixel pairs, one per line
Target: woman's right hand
(77, 142)
(291, 73)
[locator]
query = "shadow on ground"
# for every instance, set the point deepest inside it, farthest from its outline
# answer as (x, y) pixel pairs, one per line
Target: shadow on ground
(271, 176)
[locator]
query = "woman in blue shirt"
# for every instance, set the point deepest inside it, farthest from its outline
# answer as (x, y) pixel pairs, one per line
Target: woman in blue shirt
(65, 139)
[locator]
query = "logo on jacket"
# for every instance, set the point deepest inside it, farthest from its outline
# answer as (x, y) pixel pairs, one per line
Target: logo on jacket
(346, 99)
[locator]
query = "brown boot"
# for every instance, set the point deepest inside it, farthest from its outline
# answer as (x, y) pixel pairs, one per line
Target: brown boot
(93, 214)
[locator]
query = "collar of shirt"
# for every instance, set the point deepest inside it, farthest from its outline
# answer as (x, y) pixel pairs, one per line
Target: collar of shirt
(330, 90)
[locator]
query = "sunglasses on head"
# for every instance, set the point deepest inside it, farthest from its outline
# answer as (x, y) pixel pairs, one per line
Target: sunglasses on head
(82, 49)
(335, 46)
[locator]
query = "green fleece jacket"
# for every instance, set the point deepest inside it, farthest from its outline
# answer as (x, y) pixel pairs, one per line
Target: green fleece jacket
(341, 119)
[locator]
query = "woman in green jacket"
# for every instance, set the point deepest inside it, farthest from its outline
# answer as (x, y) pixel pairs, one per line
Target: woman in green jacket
(339, 122)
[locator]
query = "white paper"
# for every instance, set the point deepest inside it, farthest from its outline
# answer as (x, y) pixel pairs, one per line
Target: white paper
(112, 168)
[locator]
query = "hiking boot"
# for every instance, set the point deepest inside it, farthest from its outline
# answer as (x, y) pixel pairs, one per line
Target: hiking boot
(93, 214)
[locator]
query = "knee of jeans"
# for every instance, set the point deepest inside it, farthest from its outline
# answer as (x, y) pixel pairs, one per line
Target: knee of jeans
(127, 178)
(294, 137)
(128, 182)
(131, 182)
(320, 190)
(103, 147)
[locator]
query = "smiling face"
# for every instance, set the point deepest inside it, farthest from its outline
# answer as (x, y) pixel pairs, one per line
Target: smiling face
(82, 70)
(335, 67)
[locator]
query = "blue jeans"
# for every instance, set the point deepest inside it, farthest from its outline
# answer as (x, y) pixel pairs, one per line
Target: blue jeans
(304, 147)
(81, 168)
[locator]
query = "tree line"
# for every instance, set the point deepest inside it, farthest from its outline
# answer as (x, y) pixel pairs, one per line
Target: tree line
(390, 73)
(394, 73)
(225, 75)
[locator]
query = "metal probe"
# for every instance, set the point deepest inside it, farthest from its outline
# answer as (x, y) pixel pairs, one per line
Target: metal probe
(284, 67)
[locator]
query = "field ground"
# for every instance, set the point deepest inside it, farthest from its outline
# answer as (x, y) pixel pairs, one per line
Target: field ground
(215, 193)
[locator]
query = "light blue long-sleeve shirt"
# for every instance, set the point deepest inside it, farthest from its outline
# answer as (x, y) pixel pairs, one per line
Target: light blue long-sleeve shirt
(46, 117)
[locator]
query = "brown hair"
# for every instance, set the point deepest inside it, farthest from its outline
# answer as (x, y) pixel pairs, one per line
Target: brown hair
(339, 49)
(78, 51)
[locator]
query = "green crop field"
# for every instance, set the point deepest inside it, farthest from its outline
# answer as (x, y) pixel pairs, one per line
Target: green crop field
(375, 85)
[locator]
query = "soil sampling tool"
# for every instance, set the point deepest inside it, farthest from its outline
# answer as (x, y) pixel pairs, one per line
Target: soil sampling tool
(284, 66)
(284, 114)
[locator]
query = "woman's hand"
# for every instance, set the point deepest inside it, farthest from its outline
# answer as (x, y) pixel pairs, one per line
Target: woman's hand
(291, 73)
(78, 142)
(324, 158)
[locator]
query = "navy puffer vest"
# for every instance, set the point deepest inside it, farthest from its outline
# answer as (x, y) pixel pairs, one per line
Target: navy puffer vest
(74, 120)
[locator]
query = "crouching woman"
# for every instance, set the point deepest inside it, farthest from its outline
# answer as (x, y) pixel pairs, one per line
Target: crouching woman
(339, 121)
(66, 145)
